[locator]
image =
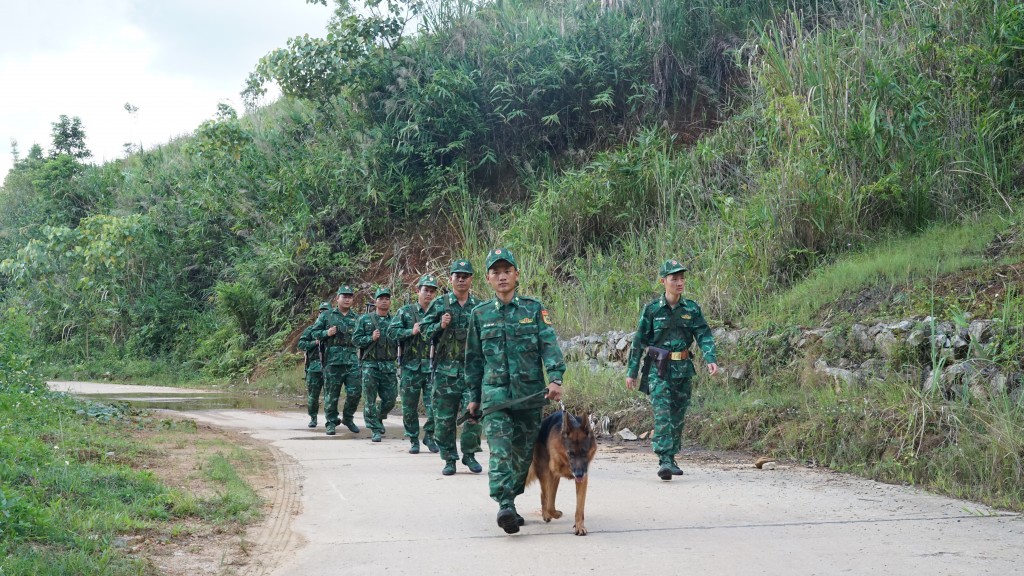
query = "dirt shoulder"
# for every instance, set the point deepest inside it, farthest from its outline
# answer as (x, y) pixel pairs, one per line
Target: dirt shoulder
(180, 448)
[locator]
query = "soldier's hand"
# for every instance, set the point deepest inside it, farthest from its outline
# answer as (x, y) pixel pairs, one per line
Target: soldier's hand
(554, 392)
(416, 328)
(474, 412)
(376, 335)
(332, 330)
(631, 383)
(712, 368)
(446, 319)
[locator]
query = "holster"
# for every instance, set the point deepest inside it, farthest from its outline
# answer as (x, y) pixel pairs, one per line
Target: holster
(659, 358)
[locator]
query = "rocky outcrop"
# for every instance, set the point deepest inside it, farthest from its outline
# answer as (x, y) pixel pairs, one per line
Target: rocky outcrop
(936, 354)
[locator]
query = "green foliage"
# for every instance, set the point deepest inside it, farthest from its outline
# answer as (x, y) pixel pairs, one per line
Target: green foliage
(758, 141)
(16, 370)
(69, 138)
(66, 493)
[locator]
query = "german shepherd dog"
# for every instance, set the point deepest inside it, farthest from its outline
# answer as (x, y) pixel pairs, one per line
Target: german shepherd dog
(565, 447)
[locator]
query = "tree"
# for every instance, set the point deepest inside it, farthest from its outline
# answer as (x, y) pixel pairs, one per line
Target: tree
(356, 50)
(69, 138)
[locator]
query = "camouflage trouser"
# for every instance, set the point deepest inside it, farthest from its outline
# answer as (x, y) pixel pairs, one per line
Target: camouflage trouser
(416, 384)
(339, 375)
(451, 396)
(669, 399)
(379, 380)
(314, 386)
(511, 435)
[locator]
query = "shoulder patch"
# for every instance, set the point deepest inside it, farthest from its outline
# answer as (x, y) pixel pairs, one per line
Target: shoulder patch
(545, 316)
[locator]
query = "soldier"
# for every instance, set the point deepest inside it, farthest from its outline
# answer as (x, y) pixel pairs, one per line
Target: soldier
(510, 346)
(445, 326)
(377, 360)
(415, 365)
(334, 328)
(314, 369)
(666, 329)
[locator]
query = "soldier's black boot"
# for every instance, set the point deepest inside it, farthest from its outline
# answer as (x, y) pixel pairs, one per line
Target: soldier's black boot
(414, 446)
(676, 470)
(449, 468)
(665, 472)
(472, 464)
(429, 442)
(376, 437)
(330, 429)
(508, 520)
(351, 426)
(312, 422)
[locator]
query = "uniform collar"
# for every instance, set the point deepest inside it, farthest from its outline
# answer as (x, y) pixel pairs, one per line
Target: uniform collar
(664, 301)
(453, 299)
(498, 303)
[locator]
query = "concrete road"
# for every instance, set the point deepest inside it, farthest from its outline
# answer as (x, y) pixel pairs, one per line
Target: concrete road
(346, 505)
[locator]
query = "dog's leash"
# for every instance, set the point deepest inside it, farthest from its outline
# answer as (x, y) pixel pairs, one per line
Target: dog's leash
(503, 406)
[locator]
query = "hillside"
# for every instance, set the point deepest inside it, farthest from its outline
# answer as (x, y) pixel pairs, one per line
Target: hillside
(819, 165)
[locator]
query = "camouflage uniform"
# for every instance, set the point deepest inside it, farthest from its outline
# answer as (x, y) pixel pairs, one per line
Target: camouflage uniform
(415, 369)
(314, 371)
(508, 349)
(377, 360)
(342, 364)
(451, 395)
(673, 328)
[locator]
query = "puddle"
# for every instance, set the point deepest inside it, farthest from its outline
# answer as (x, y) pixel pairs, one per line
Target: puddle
(192, 402)
(169, 398)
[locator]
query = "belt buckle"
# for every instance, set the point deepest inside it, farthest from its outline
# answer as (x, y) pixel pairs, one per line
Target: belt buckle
(676, 356)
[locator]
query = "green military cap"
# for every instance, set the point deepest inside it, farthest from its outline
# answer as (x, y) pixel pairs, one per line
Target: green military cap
(461, 266)
(381, 292)
(325, 306)
(345, 289)
(500, 254)
(427, 280)
(671, 267)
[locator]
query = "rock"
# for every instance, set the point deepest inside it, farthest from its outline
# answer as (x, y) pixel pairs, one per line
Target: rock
(960, 346)
(622, 344)
(645, 435)
(998, 384)
(738, 372)
(860, 338)
(887, 344)
(903, 326)
(834, 342)
(840, 375)
(917, 338)
(763, 461)
(626, 434)
(980, 331)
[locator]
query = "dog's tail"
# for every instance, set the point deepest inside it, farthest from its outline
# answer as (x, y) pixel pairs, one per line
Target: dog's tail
(531, 476)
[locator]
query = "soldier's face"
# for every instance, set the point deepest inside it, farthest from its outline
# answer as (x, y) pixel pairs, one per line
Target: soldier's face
(345, 301)
(425, 295)
(461, 282)
(503, 277)
(383, 304)
(674, 283)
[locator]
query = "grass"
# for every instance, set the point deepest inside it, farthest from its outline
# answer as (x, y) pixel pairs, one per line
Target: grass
(71, 487)
(914, 261)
